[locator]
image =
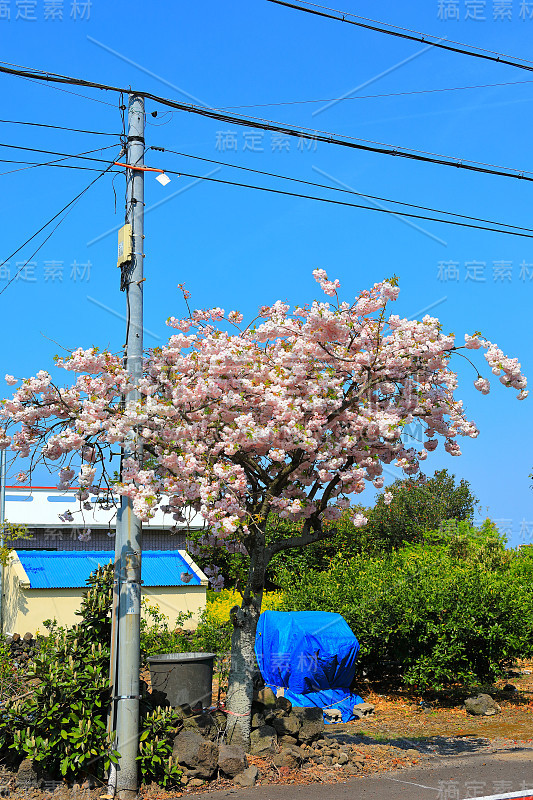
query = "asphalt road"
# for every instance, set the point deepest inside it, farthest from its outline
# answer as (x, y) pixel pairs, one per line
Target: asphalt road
(456, 778)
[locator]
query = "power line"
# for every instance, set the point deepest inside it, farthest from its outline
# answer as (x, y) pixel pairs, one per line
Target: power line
(352, 205)
(365, 145)
(411, 30)
(281, 177)
(54, 163)
(38, 82)
(299, 132)
(296, 180)
(373, 96)
(414, 36)
(55, 77)
(56, 127)
(65, 211)
(83, 156)
(337, 189)
(31, 164)
(389, 149)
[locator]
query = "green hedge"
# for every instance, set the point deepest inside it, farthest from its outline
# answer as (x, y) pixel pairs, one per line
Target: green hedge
(457, 609)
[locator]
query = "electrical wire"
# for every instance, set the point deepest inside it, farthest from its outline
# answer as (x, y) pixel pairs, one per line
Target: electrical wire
(56, 127)
(351, 205)
(367, 144)
(371, 96)
(37, 82)
(409, 30)
(337, 189)
(299, 132)
(84, 156)
(50, 164)
(414, 36)
(54, 163)
(295, 180)
(65, 211)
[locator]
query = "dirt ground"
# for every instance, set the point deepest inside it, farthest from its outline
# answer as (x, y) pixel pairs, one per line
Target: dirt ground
(400, 715)
(405, 730)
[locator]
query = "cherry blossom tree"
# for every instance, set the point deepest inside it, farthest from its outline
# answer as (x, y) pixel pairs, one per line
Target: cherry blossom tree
(287, 418)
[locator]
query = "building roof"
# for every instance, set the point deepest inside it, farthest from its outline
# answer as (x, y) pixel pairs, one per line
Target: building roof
(40, 507)
(63, 569)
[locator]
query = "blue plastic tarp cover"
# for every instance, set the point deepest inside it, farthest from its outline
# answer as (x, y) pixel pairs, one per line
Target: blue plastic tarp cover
(342, 699)
(306, 651)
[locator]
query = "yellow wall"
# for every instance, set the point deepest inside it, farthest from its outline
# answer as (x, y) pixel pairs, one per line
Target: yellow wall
(172, 600)
(25, 609)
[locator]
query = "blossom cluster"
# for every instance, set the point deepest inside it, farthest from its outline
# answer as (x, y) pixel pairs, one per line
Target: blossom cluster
(293, 416)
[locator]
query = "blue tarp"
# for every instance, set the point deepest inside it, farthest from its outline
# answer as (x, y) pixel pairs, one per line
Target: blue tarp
(312, 655)
(343, 699)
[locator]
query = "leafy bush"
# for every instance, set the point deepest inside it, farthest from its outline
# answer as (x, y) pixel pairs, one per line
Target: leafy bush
(156, 634)
(158, 729)
(456, 609)
(61, 722)
(13, 681)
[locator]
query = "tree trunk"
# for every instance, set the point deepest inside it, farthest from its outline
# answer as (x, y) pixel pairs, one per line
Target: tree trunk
(243, 662)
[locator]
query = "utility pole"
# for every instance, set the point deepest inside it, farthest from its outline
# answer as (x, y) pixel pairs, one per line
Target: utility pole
(127, 593)
(2, 528)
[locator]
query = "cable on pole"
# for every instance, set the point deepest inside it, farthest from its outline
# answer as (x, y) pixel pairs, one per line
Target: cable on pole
(56, 127)
(278, 176)
(398, 213)
(338, 189)
(65, 212)
(31, 164)
(84, 156)
(414, 36)
(373, 96)
(299, 132)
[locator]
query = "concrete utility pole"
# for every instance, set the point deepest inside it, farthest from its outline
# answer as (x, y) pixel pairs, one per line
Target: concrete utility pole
(123, 779)
(2, 529)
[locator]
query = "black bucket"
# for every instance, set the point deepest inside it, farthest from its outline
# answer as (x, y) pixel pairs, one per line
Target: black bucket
(185, 678)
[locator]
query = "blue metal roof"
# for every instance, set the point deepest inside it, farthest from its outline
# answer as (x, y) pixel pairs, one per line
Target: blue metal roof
(63, 569)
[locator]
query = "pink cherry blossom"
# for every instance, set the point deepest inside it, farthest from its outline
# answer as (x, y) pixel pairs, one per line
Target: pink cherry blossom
(482, 385)
(221, 412)
(473, 342)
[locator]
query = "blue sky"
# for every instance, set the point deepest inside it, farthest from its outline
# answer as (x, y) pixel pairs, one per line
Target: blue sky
(237, 248)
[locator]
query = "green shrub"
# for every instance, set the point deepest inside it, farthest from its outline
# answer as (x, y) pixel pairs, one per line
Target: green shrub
(61, 722)
(457, 609)
(156, 634)
(158, 729)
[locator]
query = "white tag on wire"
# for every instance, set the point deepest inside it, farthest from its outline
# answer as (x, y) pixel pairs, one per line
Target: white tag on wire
(163, 179)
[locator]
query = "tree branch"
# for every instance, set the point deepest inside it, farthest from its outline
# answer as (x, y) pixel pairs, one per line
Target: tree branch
(305, 538)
